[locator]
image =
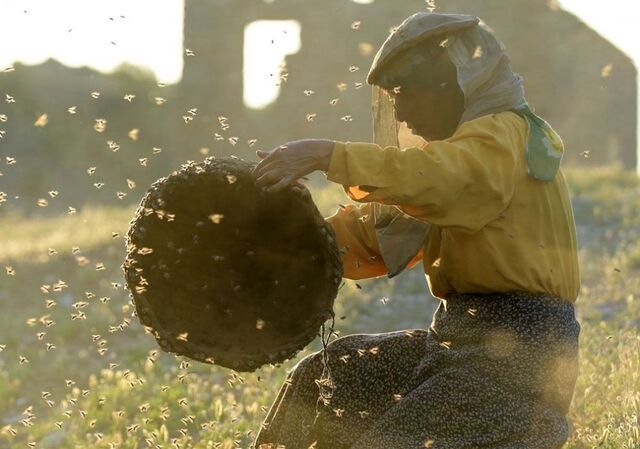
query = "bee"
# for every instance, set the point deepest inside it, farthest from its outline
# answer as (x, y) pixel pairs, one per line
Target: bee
(216, 218)
(100, 125)
(41, 121)
(79, 316)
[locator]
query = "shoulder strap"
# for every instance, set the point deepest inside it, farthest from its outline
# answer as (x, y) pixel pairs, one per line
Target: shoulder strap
(544, 148)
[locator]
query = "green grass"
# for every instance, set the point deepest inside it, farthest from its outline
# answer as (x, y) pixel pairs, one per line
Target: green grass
(109, 385)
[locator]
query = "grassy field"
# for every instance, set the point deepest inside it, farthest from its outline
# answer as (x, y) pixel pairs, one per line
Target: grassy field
(78, 371)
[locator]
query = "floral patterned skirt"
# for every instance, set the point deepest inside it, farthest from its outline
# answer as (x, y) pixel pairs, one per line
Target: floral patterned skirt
(492, 371)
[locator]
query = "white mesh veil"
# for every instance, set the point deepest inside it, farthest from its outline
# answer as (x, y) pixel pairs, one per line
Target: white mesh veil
(399, 235)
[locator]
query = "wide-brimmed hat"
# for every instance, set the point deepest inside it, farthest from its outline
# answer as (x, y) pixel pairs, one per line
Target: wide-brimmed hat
(416, 28)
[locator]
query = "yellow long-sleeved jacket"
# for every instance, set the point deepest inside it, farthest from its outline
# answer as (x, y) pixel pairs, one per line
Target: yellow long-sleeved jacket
(495, 229)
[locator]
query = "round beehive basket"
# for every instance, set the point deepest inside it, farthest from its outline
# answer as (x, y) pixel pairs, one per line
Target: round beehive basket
(224, 273)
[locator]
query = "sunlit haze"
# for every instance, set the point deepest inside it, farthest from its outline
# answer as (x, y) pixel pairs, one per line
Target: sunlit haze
(148, 33)
(266, 44)
(95, 34)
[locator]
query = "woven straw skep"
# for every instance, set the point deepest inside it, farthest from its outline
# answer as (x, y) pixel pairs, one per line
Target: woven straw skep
(224, 273)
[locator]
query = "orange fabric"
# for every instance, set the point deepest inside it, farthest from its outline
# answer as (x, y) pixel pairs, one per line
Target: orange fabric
(356, 239)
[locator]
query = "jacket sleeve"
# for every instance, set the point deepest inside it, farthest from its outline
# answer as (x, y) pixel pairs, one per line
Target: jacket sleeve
(357, 242)
(463, 182)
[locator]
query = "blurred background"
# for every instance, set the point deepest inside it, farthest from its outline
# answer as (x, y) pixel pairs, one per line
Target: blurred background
(99, 99)
(272, 69)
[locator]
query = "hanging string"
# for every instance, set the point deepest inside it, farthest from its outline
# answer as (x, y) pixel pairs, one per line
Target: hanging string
(326, 384)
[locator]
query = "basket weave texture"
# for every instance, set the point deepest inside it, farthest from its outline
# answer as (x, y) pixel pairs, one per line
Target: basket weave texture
(224, 273)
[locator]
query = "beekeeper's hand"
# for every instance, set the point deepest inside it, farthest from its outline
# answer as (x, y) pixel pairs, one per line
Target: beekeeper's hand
(287, 163)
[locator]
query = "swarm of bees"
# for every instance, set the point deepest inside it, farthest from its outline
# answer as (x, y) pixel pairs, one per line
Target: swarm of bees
(167, 265)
